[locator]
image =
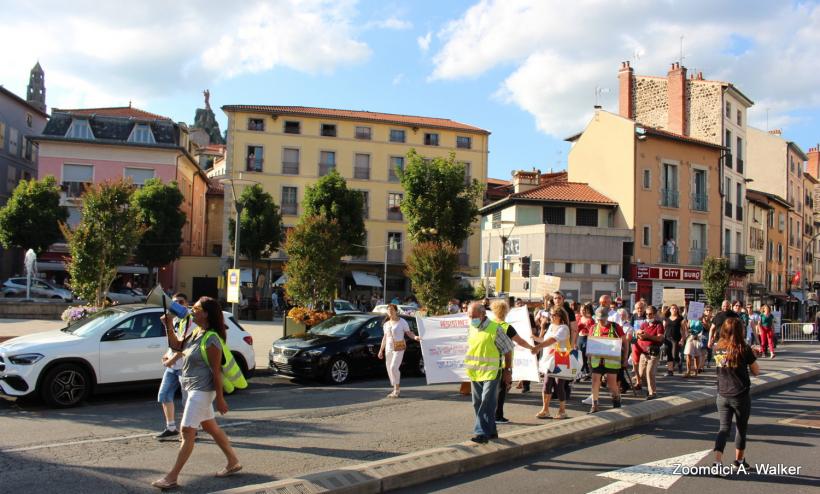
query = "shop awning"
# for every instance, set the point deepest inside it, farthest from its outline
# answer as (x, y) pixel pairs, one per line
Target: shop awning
(281, 280)
(365, 279)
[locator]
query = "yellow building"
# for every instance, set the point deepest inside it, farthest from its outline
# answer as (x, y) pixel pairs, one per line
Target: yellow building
(287, 149)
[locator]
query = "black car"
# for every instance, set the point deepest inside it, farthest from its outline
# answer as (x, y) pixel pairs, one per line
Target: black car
(344, 346)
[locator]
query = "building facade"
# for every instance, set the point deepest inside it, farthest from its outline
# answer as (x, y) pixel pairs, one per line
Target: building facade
(757, 220)
(813, 169)
(667, 187)
(287, 149)
(567, 229)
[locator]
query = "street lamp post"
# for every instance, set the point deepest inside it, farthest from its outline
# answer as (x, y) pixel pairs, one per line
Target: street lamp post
(238, 206)
(504, 239)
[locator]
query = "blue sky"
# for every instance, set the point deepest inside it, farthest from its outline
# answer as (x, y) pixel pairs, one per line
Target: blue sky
(526, 70)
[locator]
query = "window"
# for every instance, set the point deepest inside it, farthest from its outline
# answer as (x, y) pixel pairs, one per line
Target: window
(14, 136)
(781, 225)
(567, 267)
(365, 203)
(397, 135)
(586, 217)
(255, 158)
(292, 127)
(739, 199)
(554, 215)
(728, 144)
(328, 130)
(739, 154)
(289, 204)
(646, 236)
(290, 161)
(75, 214)
(138, 327)
(361, 168)
(75, 178)
(467, 168)
(139, 175)
(327, 162)
(2, 135)
(394, 206)
(669, 192)
(142, 133)
(770, 251)
(430, 139)
(396, 163)
(739, 117)
(700, 200)
(464, 142)
(256, 124)
(647, 179)
(496, 219)
(363, 133)
(604, 268)
(728, 110)
(779, 252)
(79, 129)
(727, 242)
(394, 246)
(28, 149)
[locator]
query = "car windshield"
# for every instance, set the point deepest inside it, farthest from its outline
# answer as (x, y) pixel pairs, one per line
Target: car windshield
(339, 326)
(89, 324)
(341, 305)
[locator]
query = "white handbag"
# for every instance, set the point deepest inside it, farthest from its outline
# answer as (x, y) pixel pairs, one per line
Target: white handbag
(560, 363)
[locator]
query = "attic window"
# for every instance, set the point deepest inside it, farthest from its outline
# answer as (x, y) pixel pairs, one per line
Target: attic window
(79, 129)
(142, 133)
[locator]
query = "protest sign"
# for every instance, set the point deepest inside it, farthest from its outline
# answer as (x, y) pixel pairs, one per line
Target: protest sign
(443, 347)
(525, 364)
(675, 296)
(549, 284)
(695, 311)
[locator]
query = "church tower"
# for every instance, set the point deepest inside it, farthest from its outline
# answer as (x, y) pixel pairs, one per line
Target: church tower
(36, 94)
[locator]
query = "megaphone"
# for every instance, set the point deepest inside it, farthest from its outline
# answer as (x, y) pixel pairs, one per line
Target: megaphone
(157, 297)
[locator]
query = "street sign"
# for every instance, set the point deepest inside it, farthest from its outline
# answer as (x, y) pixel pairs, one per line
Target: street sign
(659, 474)
(633, 287)
(233, 286)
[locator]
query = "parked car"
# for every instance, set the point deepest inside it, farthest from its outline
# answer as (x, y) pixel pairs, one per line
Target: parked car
(407, 310)
(16, 287)
(339, 348)
(125, 295)
(116, 348)
(343, 307)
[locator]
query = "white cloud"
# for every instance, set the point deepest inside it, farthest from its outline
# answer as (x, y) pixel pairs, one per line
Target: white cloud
(391, 22)
(91, 50)
(424, 41)
(557, 53)
(398, 79)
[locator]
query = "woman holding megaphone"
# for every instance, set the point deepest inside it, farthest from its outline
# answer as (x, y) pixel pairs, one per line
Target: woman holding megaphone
(202, 379)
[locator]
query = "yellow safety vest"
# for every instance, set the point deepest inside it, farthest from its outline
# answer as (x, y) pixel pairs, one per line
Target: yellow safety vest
(182, 325)
(611, 333)
(232, 377)
(483, 360)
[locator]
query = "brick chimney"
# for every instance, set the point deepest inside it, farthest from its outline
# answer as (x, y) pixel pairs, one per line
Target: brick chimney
(776, 132)
(626, 88)
(813, 165)
(676, 93)
(524, 181)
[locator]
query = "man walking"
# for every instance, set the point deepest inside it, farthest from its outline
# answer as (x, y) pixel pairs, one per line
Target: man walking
(173, 372)
(488, 361)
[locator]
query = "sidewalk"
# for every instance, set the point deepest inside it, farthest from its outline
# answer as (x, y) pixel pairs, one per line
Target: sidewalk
(677, 395)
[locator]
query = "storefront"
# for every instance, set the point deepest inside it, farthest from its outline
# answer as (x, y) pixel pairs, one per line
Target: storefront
(651, 281)
(737, 287)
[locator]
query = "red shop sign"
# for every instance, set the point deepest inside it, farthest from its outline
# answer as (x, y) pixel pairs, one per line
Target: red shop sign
(670, 274)
(691, 274)
(646, 273)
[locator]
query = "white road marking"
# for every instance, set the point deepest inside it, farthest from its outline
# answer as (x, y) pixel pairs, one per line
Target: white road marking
(103, 439)
(654, 474)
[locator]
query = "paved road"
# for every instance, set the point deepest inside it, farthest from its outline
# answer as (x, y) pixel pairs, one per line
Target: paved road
(687, 440)
(280, 428)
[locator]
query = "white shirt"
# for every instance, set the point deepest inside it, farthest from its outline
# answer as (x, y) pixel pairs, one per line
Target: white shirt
(561, 334)
(394, 330)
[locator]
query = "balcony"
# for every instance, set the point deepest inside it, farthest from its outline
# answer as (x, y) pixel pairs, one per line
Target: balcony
(325, 168)
(738, 262)
(669, 198)
(667, 258)
(394, 214)
(739, 213)
(290, 208)
(290, 167)
(254, 164)
(697, 256)
(727, 209)
(739, 164)
(700, 202)
(394, 256)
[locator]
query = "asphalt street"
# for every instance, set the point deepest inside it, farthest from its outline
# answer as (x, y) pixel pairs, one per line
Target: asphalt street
(280, 427)
(784, 429)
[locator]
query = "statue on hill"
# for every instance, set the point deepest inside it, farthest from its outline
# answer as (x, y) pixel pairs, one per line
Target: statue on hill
(206, 120)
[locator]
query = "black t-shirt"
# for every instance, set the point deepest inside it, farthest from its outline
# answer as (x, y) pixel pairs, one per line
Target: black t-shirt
(734, 380)
(721, 317)
(672, 330)
(570, 312)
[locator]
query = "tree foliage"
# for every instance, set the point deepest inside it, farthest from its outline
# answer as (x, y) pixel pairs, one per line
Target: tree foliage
(715, 279)
(260, 225)
(31, 218)
(313, 266)
(158, 207)
(431, 269)
(438, 199)
(331, 198)
(103, 240)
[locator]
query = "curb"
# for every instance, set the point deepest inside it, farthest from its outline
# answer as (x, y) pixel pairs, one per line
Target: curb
(423, 466)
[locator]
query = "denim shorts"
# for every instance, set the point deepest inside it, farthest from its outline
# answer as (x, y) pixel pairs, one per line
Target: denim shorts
(169, 386)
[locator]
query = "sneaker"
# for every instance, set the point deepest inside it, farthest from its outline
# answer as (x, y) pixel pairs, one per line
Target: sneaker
(651, 397)
(167, 434)
(616, 403)
(737, 464)
(479, 439)
(771, 357)
(587, 400)
(502, 420)
(669, 373)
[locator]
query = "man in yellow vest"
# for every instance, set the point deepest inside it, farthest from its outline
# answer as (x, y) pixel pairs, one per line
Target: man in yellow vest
(608, 366)
(488, 361)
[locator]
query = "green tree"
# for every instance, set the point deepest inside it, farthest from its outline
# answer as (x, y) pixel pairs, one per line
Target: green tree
(158, 208)
(31, 218)
(438, 203)
(431, 268)
(313, 266)
(260, 226)
(103, 240)
(331, 198)
(715, 279)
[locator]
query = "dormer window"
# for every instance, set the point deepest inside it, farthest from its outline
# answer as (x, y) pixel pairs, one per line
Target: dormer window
(80, 129)
(142, 133)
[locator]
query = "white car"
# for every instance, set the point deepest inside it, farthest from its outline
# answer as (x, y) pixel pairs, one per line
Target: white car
(125, 295)
(16, 287)
(117, 347)
(343, 307)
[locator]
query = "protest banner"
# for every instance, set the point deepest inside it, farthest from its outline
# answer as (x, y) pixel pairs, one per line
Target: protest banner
(549, 284)
(675, 296)
(525, 364)
(695, 310)
(443, 347)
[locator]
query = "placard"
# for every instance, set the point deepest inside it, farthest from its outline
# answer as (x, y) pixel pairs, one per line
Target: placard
(443, 347)
(675, 296)
(549, 284)
(695, 311)
(525, 364)
(233, 286)
(777, 321)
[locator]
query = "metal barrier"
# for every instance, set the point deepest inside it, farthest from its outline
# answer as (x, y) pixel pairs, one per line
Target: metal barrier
(798, 332)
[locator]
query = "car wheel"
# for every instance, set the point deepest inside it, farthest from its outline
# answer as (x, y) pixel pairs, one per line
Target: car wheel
(243, 366)
(338, 372)
(65, 386)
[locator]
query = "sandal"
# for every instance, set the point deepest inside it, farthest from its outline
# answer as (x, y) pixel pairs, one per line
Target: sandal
(560, 416)
(228, 471)
(163, 484)
(542, 415)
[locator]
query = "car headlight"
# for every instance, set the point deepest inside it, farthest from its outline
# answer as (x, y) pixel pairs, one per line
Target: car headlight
(315, 353)
(25, 358)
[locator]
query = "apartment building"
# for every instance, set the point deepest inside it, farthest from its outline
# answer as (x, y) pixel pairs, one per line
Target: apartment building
(287, 149)
(813, 169)
(757, 225)
(667, 187)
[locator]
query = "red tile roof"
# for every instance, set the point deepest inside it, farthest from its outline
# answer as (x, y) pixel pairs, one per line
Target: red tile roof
(368, 116)
(565, 192)
(497, 182)
(665, 133)
(115, 111)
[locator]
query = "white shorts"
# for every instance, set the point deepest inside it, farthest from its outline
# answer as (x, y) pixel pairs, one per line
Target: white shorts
(199, 407)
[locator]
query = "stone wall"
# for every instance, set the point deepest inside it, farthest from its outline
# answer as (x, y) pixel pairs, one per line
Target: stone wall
(15, 308)
(704, 100)
(651, 102)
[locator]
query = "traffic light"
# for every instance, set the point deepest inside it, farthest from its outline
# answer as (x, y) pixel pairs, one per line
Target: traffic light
(525, 266)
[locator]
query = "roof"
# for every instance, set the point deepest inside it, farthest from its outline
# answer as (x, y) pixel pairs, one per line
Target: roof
(556, 191)
(114, 111)
(797, 150)
(367, 116)
(23, 102)
(679, 137)
(497, 182)
(110, 128)
(772, 197)
(758, 198)
(215, 188)
(810, 177)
